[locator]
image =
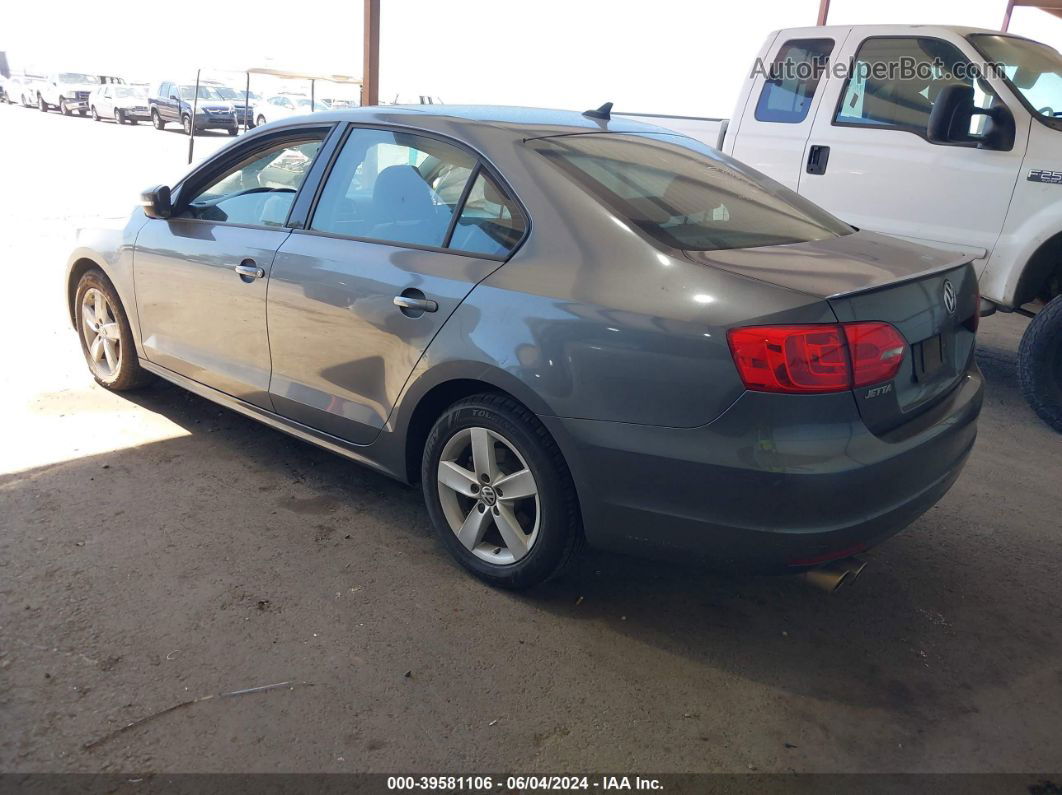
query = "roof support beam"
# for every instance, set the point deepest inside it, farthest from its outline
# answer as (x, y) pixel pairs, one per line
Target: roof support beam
(824, 11)
(370, 75)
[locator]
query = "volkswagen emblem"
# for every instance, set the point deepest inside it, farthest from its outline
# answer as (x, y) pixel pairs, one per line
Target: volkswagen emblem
(949, 297)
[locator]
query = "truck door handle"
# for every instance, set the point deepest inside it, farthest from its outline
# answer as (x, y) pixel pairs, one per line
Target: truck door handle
(413, 303)
(248, 270)
(818, 157)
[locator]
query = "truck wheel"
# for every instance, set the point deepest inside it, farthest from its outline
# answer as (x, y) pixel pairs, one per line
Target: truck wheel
(1040, 363)
(42, 106)
(63, 108)
(233, 130)
(157, 121)
(95, 115)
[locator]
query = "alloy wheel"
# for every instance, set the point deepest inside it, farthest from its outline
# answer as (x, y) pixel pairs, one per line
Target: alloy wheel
(489, 496)
(103, 339)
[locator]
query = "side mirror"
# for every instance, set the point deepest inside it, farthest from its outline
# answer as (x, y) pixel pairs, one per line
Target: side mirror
(951, 119)
(156, 202)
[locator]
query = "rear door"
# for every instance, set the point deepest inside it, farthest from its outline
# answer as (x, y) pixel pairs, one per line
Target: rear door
(405, 227)
(883, 174)
(787, 88)
(202, 275)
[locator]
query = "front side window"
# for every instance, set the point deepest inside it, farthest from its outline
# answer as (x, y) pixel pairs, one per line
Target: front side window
(685, 198)
(395, 187)
(792, 81)
(1032, 69)
(77, 77)
(261, 189)
(895, 81)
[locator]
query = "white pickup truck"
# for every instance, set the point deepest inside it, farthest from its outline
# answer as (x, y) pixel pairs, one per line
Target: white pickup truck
(68, 92)
(947, 136)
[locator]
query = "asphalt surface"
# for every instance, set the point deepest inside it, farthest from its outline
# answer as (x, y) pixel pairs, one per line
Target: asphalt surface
(156, 549)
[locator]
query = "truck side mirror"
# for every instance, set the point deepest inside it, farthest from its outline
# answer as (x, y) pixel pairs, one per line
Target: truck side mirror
(156, 202)
(952, 117)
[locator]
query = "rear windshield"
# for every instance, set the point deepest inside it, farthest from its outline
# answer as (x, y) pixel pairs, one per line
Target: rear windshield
(687, 196)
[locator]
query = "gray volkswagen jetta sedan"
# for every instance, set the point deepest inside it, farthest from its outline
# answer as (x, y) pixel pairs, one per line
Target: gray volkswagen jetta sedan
(566, 326)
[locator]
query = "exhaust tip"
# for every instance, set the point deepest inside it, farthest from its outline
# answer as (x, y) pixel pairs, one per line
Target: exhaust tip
(834, 574)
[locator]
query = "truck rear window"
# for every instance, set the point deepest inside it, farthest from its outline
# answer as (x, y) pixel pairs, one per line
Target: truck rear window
(684, 198)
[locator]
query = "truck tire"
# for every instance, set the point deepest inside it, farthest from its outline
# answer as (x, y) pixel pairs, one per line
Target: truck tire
(63, 108)
(157, 121)
(1040, 363)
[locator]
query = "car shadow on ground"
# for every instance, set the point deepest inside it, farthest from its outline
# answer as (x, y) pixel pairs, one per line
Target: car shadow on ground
(935, 618)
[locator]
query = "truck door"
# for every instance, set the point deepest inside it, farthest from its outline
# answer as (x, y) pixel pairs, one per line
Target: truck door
(777, 118)
(868, 159)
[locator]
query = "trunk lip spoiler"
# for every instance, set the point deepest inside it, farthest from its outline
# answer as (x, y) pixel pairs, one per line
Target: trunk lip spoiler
(911, 277)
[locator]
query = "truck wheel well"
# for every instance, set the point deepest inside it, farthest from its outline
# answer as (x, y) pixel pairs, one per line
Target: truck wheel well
(80, 268)
(1042, 277)
(429, 409)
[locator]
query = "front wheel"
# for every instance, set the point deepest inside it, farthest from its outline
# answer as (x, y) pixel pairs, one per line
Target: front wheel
(95, 115)
(259, 121)
(1040, 363)
(42, 106)
(156, 120)
(63, 108)
(119, 116)
(186, 123)
(106, 337)
(499, 493)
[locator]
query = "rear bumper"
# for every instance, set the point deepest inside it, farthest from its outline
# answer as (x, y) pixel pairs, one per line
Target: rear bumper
(777, 483)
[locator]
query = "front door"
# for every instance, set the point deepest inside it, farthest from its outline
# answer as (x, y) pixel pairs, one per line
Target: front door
(202, 275)
(395, 244)
(883, 174)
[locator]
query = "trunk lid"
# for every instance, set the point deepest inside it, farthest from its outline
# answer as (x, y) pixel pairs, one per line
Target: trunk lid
(930, 296)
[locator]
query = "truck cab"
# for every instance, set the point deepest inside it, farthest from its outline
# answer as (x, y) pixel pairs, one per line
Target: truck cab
(946, 136)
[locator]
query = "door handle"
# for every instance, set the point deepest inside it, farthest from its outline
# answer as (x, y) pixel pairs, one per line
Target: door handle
(818, 157)
(248, 270)
(415, 304)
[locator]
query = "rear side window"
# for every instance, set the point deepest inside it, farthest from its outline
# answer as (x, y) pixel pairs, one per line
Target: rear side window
(490, 221)
(792, 80)
(685, 198)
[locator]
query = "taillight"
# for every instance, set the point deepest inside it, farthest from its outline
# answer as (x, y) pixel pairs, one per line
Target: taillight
(810, 359)
(876, 350)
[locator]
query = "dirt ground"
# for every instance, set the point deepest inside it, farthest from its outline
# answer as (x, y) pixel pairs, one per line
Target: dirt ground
(155, 548)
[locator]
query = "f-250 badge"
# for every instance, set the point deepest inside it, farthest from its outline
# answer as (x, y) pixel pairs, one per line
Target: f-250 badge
(1043, 175)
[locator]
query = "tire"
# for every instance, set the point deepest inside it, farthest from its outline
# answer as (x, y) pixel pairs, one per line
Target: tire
(186, 124)
(233, 130)
(124, 371)
(551, 530)
(134, 122)
(42, 106)
(259, 121)
(64, 109)
(95, 115)
(119, 116)
(156, 121)
(82, 113)
(1040, 363)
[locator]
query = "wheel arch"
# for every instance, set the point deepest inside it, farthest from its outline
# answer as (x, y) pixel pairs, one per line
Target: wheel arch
(78, 268)
(1042, 275)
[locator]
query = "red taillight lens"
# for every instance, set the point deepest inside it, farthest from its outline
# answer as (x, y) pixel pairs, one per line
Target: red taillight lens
(877, 350)
(809, 359)
(791, 358)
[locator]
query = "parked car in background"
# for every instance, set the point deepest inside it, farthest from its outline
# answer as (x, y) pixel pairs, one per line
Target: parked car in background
(282, 106)
(23, 89)
(173, 102)
(67, 92)
(242, 102)
(677, 356)
(119, 102)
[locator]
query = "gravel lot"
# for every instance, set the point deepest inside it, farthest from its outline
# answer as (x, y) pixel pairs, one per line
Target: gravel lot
(156, 549)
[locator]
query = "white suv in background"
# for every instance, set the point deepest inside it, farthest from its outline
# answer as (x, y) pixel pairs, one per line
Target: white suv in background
(119, 102)
(281, 106)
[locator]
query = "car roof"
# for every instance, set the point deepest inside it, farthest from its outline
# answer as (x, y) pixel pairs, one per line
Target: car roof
(521, 121)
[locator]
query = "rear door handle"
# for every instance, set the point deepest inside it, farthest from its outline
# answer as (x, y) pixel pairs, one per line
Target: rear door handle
(415, 304)
(248, 270)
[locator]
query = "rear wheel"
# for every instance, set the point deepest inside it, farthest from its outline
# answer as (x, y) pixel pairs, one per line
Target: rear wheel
(499, 493)
(233, 130)
(1040, 363)
(157, 121)
(106, 338)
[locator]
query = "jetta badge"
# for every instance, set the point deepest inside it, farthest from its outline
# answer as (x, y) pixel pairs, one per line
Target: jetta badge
(949, 297)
